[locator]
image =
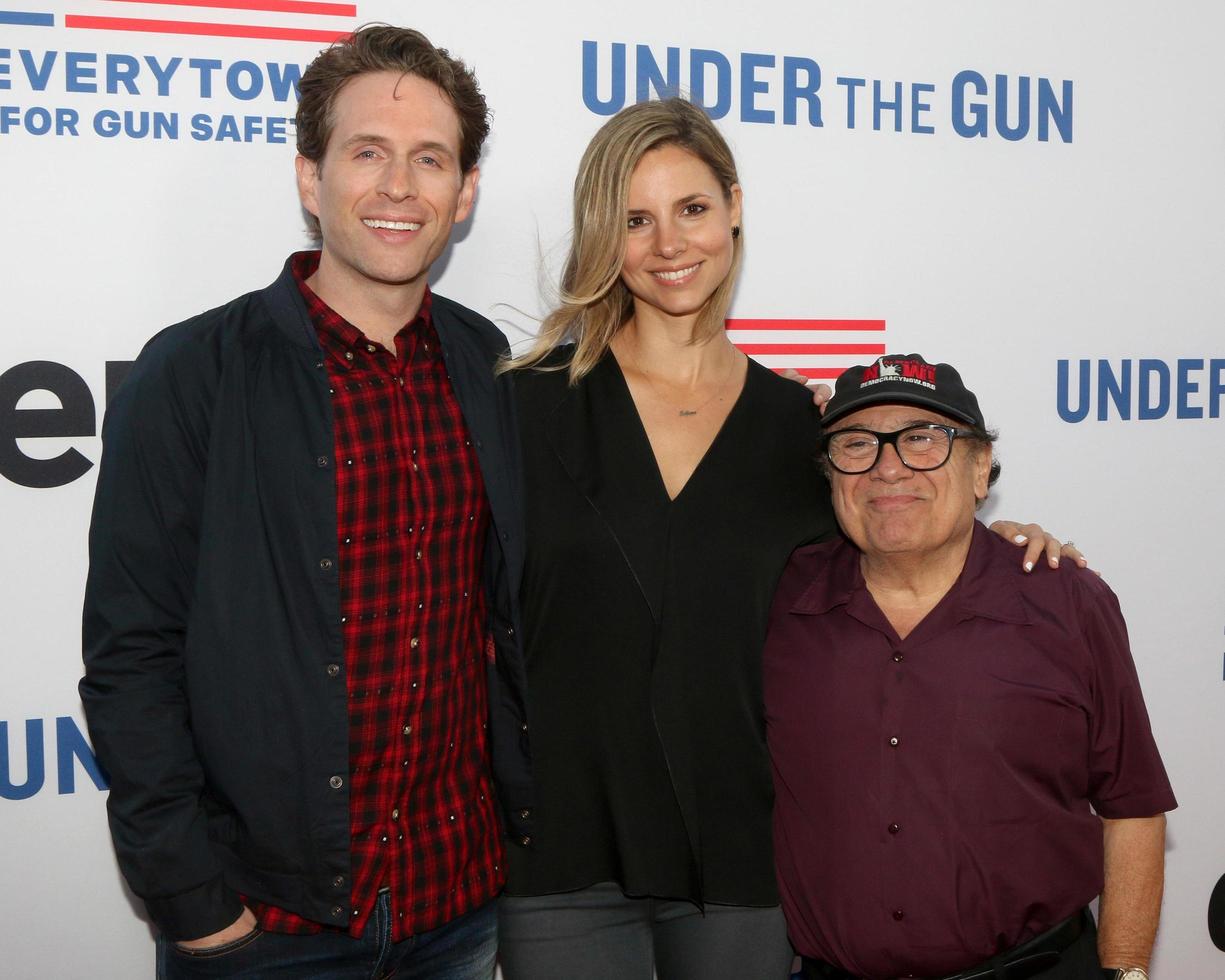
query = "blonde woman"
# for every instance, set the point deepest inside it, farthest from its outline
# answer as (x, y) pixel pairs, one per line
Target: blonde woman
(668, 478)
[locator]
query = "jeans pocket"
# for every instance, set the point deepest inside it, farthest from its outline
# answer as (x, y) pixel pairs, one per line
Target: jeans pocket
(225, 949)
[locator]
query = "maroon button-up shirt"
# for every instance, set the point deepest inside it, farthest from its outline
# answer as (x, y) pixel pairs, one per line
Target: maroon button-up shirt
(933, 794)
(411, 525)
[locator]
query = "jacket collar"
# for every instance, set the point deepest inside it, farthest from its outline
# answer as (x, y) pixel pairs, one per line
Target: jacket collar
(288, 309)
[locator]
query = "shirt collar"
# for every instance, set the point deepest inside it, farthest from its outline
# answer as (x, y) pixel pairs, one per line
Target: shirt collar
(338, 336)
(987, 586)
(838, 578)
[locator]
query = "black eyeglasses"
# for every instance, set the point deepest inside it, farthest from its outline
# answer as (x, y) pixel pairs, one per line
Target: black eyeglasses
(919, 447)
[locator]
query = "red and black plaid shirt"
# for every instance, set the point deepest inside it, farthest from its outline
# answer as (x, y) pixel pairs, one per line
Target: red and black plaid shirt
(411, 520)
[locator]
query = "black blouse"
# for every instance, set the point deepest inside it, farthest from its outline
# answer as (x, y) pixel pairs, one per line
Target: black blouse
(644, 621)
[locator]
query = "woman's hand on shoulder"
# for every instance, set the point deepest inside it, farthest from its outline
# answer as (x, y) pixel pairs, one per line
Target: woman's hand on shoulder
(1036, 541)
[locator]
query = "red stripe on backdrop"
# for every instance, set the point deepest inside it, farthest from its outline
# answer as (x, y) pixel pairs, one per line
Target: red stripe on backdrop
(813, 372)
(805, 324)
(812, 348)
(281, 6)
(206, 30)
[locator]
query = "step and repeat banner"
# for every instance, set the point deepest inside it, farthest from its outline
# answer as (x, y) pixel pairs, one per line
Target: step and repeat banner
(1035, 192)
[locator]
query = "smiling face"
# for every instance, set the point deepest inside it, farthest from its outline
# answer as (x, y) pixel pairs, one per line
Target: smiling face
(389, 186)
(679, 244)
(893, 510)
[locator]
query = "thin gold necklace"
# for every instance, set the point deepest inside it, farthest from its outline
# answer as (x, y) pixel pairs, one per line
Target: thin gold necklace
(686, 412)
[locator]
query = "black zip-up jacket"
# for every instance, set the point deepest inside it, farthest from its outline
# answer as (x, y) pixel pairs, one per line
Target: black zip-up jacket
(214, 679)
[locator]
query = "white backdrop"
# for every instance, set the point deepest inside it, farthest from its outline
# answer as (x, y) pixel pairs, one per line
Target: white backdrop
(1100, 247)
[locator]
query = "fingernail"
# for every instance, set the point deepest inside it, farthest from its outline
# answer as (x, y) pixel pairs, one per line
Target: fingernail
(1020, 539)
(1029, 566)
(1054, 562)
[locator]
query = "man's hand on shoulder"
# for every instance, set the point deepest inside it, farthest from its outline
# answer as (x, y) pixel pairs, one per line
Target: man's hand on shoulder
(821, 392)
(244, 925)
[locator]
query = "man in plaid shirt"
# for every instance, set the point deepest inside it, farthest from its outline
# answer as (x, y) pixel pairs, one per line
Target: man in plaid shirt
(300, 620)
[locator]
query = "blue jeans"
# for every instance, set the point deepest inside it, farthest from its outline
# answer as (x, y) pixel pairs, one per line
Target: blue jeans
(463, 949)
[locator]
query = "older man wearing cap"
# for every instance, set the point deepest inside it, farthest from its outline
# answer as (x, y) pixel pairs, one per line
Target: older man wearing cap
(962, 756)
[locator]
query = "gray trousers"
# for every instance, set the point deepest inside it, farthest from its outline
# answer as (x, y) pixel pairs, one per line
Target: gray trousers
(598, 933)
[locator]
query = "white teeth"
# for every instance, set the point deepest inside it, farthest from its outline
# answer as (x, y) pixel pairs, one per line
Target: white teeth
(674, 276)
(391, 225)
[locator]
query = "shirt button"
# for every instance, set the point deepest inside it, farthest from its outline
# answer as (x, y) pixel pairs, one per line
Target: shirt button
(897, 656)
(336, 782)
(523, 727)
(325, 563)
(337, 911)
(321, 462)
(395, 814)
(894, 741)
(338, 881)
(414, 643)
(418, 552)
(894, 828)
(348, 355)
(526, 840)
(524, 813)
(510, 631)
(898, 915)
(408, 729)
(370, 348)
(333, 670)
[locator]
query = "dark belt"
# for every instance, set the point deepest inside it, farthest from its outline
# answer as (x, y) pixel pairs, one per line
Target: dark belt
(1026, 960)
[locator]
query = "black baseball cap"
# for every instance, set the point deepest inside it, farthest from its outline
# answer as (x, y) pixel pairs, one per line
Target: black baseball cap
(905, 379)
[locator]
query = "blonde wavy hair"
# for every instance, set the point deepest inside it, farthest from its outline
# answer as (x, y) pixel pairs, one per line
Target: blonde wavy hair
(595, 303)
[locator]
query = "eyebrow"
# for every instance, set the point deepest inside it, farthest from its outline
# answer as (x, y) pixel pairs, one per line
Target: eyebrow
(906, 424)
(432, 145)
(363, 138)
(440, 148)
(688, 199)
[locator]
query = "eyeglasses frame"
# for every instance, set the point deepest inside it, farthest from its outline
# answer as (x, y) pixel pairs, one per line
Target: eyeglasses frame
(884, 439)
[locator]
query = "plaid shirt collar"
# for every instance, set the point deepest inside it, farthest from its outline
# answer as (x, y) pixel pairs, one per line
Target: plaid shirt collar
(340, 338)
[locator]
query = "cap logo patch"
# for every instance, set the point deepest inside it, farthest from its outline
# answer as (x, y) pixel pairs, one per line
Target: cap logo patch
(899, 369)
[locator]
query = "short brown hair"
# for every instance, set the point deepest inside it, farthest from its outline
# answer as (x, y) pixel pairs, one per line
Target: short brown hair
(381, 47)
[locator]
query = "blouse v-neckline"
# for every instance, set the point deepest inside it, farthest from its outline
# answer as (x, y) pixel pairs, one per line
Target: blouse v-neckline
(641, 430)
